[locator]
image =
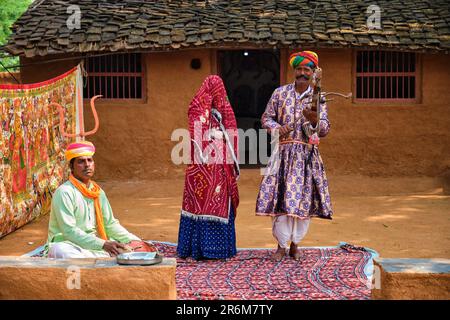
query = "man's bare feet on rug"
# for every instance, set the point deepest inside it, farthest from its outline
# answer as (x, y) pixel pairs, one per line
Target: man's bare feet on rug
(294, 252)
(279, 254)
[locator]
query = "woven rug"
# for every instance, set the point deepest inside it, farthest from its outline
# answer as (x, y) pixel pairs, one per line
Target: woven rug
(334, 273)
(341, 273)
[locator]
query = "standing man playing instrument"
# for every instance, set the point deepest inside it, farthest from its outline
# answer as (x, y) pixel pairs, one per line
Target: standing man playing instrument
(295, 187)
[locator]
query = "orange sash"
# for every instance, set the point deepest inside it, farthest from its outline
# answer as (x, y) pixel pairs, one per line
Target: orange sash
(95, 195)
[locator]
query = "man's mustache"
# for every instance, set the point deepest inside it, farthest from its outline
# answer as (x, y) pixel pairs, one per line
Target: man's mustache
(303, 76)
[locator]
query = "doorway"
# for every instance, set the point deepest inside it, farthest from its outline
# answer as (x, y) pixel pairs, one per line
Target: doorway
(250, 77)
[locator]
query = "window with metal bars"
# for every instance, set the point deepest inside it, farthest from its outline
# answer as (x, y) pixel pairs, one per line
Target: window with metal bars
(386, 76)
(117, 76)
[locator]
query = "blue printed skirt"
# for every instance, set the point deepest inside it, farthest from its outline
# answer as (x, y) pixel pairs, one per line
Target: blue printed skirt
(204, 239)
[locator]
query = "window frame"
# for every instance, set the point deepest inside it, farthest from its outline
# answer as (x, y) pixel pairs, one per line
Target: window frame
(385, 101)
(142, 99)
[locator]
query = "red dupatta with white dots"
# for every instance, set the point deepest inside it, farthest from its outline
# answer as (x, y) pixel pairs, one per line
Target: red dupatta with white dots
(210, 189)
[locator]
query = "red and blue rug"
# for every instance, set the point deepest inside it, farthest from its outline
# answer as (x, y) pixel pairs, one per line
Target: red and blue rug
(323, 273)
(337, 273)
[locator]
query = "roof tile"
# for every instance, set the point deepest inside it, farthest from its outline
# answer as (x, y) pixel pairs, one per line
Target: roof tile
(164, 24)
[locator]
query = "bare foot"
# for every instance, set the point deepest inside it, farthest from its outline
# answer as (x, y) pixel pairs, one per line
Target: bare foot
(294, 252)
(279, 254)
(297, 255)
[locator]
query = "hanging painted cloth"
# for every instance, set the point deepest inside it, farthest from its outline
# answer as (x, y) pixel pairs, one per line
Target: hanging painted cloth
(32, 163)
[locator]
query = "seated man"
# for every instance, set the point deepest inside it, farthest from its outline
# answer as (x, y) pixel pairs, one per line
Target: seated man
(81, 223)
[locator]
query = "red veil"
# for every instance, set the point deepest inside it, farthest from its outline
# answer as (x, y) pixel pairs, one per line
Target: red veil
(210, 185)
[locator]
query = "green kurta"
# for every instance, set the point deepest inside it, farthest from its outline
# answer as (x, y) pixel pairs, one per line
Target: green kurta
(72, 220)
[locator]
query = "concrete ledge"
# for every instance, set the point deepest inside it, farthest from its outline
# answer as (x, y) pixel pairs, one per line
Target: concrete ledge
(42, 278)
(410, 279)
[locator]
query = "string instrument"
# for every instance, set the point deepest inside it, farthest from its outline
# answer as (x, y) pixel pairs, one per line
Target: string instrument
(317, 99)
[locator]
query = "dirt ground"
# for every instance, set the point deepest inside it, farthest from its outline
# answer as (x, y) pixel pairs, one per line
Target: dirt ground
(399, 217)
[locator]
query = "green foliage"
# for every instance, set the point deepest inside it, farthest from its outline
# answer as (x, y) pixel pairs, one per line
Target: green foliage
(10, 11)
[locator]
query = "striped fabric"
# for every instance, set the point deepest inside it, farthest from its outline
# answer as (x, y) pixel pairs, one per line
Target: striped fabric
(304, 58)
(79, 149)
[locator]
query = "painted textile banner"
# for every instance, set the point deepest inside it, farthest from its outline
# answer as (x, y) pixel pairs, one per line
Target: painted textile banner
(32, 163)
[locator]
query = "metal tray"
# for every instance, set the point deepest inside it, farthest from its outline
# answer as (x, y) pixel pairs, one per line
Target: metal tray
(139, 258)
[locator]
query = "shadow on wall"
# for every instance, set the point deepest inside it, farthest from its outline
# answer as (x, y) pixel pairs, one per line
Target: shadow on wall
(446, 179)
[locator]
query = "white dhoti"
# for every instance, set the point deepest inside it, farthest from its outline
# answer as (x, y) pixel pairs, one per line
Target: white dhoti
(64, 250)
(288, 229)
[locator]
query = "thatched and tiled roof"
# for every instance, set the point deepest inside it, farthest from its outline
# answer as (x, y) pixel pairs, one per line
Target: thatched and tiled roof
(131, 25)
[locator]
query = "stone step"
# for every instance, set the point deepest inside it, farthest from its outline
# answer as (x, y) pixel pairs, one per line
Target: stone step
(60, 279)
(407, 279)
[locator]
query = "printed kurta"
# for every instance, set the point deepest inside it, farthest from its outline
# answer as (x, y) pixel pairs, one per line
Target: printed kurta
(295, 183)
(72, 220)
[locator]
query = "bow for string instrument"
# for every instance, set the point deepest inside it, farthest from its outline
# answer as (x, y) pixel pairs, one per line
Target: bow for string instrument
(308, 128)
(318, 98)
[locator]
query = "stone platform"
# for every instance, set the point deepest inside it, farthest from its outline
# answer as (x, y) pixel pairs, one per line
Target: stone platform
(402, 279)
(41, 278)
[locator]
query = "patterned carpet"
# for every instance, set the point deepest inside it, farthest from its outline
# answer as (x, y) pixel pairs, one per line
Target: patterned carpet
(322, 273)
(334, 273)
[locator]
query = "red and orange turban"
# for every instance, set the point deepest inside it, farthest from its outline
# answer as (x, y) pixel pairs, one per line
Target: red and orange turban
(79, 149)
(304, 58)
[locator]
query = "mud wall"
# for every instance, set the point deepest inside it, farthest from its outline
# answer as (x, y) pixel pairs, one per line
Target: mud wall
(370, 139)
(387, 139)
